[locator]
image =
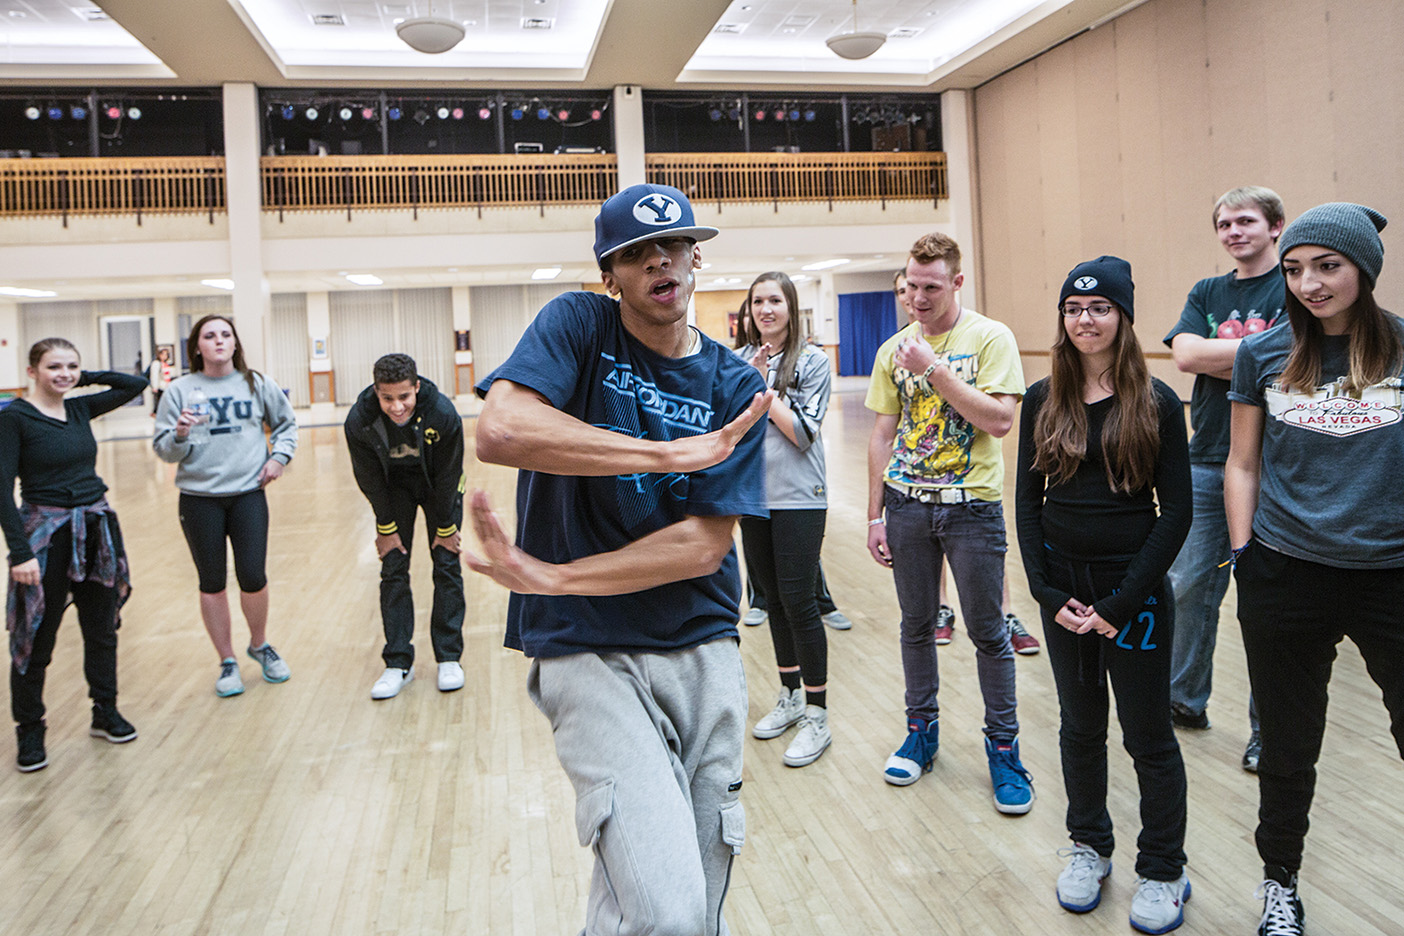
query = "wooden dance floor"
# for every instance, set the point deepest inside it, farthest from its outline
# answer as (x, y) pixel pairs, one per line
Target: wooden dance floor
(306, 808)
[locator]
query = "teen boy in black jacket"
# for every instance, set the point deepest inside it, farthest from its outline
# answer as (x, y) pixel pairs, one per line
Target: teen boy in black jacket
(406, 445)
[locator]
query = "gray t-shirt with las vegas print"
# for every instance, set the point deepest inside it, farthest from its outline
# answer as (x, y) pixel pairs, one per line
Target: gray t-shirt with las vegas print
(1329, 490)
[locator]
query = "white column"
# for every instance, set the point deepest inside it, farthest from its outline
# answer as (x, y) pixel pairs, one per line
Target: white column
(318, 329)
(12, 356)
(163, 310)
(462, 298)
(244, 195)
(629, 134)
(958, 140)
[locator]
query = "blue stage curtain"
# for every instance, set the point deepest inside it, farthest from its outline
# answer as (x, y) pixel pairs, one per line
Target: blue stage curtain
(866, 320)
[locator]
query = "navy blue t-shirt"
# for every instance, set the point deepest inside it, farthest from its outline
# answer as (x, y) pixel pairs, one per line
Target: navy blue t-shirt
(579, 356)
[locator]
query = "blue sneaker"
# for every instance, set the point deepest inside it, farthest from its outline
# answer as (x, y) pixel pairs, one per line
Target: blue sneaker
(914, 757)
(1013, 786)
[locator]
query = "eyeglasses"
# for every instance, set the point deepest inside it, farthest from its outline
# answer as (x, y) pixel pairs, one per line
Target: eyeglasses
(1096, 310)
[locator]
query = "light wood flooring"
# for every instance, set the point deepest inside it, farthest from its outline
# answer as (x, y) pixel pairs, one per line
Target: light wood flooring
(306, 808)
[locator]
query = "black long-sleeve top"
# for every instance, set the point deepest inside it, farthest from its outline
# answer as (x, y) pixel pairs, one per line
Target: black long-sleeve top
(55, 459)
(1083, 519)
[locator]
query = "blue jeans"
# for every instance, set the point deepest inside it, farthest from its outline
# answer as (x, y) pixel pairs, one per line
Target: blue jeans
(1200, 585)
(971, 537)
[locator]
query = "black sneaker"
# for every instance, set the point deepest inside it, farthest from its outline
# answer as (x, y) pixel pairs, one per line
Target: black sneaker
(1194, 721)
(108, 723)
(1282, 909)
(1252, 752)
(31, 748)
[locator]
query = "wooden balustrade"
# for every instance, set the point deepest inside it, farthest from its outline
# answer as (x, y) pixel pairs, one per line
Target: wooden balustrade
(117, 185)
(802, 177)
(302, 183)
(125, 185)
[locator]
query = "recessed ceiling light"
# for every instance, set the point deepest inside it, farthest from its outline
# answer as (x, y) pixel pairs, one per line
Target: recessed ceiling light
(218, 283)
(23, 293)
(453, 269)
(364, 279)
(825, 264)
(545, 273)
(800, 278)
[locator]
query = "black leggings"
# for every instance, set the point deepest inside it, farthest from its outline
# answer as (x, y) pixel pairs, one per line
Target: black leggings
(782, 554)
(97, 618)
(243, 519)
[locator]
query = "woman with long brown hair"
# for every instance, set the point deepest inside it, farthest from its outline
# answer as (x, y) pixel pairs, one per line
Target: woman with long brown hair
(782, 552)
(1315, 513)
(1101, 444)
(211, 425)
(65, 542)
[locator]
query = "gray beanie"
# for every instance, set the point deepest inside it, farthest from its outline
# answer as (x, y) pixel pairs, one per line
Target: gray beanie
(1347, 228)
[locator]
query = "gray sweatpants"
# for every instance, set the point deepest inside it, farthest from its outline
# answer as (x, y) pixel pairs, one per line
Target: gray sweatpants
(652, 743)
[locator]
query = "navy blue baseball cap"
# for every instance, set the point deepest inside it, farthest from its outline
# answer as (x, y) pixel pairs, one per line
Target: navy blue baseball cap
(645, 212)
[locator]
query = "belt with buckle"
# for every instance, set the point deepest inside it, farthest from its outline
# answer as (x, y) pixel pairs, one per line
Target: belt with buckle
(941, 495)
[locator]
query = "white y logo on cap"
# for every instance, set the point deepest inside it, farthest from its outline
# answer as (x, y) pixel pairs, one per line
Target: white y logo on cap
(658, 210)
(1085, 283)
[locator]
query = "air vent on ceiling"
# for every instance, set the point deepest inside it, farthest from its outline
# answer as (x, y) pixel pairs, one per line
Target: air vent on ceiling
(327, 19)
(729, 29)
(906, 32)
(93, 14)
(798, 22)
(538, 22)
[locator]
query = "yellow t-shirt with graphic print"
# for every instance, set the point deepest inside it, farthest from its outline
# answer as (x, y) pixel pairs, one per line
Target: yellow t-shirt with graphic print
(935, 446)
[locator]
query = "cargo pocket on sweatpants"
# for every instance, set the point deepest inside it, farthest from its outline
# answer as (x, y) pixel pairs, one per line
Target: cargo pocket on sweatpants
(598, 829)
(733, 825)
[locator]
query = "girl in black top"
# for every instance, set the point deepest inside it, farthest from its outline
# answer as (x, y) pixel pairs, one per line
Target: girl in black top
(1097, 438)
(64, 540)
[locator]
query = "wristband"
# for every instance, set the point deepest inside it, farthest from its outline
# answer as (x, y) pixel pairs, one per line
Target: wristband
(1232, 560)
(876, 522)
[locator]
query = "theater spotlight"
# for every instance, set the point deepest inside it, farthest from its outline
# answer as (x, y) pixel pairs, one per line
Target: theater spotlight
(289, 112)
(32, 112)
(484, 112)
(562, 115)
(457, 113)
(596, 114)
(760, 115)
(56, 113)
(809, 116)
(734, 114)
(543, 114)
(779, 115)
(344, 113)
(715, 114)
(134, 113)
(442, 113)
(114, 112)
(794, 115)
(78, 113)
(368, 113)
(310, 113)
(518, 112)
(394, 113)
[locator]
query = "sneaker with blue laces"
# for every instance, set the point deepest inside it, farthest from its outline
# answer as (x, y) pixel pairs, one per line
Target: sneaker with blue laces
(1013, 785)
(1159, 906)
(274, 669)
(229, 683)
(914, 757)
(1080, 883)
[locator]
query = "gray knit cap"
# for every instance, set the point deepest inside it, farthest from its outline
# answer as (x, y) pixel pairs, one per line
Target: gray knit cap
(1347, 228)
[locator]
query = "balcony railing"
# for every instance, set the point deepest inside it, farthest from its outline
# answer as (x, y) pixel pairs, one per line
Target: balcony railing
(127, 186)
(301, 183)
(802, 177)
(117, 185)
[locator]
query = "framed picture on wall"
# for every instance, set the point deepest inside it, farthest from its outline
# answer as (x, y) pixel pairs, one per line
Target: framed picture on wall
(462, 340)
(319, 349)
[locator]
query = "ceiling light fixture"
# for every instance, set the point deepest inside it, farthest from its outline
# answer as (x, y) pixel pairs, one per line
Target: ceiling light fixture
(855, 44)
(218, 283)
(546, 273)
(364, 279)
(430, 34)
(23, 293)
(825, 264)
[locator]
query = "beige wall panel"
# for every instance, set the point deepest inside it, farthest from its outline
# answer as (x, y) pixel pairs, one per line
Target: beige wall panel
(713, 307)
(1191, 98)
(992, 204)
(1059, 147)
(1099, 146)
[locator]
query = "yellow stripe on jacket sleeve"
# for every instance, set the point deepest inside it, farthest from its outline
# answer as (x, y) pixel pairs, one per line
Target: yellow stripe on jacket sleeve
(385, 529)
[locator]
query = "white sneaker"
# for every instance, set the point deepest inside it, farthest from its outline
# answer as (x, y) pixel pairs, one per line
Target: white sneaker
(1080, 883)
(229, 682)
(391, 682)
(1159, 906)
(812, 738)
(838, 620)
(450, 676)
(754, 617)
(789, 708)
